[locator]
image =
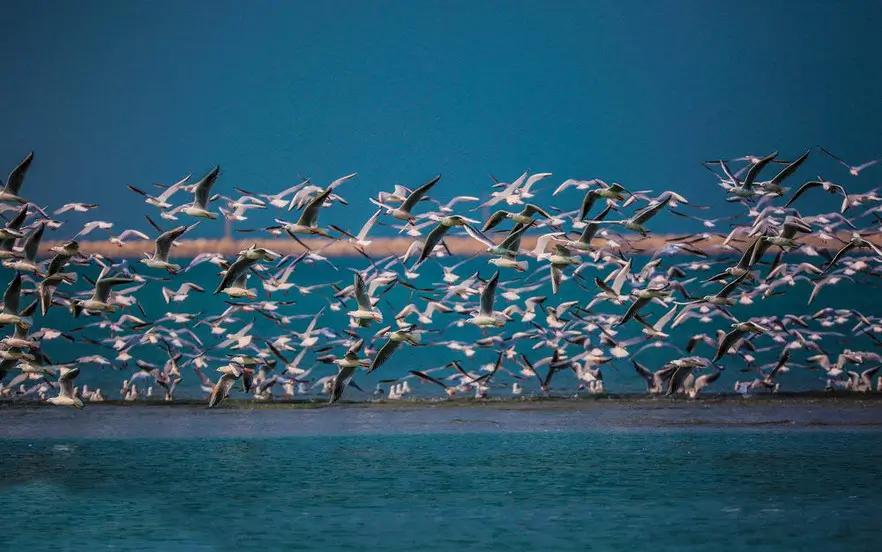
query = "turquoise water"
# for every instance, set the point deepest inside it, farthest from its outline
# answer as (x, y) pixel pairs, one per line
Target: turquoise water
(356, 478)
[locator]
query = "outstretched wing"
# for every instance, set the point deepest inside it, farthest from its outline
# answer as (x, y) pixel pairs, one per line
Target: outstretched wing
(203, 187)
(789, 169)
(17, 176)
(12, 295)
(488, 295)
(802, 189)
(310, 212)
(384, 354)
(432, 240)
(418, 194)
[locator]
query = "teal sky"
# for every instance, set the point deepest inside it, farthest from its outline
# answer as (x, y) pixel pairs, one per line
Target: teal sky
(110, 93)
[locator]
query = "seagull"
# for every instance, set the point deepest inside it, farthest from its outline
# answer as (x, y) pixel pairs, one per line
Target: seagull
(365, 313)
(523, 218)
(857, 241)
(853, 170)
(583, 242)
(12, 228)
(655, 381)
(862, 382)
(11, 298)
(28, 262)
(451, 391)
(773, 186)
(360, 239)
(161, 200)
(638, 221)
(614, 192)
(396, 339)
(11, 193)
(308, 221)
(744, 190)
(404, 211)
(642, 297)
(437, 234)
(99, 299)
(162, 248)
(827, 186)
(347, 365)
(202, 195)
(246, 259)
(182, 293)
(739, 330)
(486, 317)
(229, 376)
(655, 330)
(67, 395)
(785, 239)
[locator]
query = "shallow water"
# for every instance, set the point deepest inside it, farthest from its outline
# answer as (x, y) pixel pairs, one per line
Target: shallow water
(670, 477)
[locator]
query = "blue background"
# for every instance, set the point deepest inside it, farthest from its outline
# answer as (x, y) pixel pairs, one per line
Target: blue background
(114, 93)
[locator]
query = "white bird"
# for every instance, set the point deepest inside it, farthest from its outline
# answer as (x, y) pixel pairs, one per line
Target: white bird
(202, 195)
(67, 395)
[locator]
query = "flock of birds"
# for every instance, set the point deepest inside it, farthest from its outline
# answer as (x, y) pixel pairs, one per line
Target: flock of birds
(534, 337)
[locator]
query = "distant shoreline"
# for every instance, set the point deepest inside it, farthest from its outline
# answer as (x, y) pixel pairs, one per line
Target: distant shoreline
(382, 247)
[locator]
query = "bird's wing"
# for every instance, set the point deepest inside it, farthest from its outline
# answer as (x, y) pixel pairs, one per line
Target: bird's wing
(164, 242)
(237, 269)
(513, 240)
(203, 187)
(432, 240)
(384, 354)
(754, 171)
(221, 389)
(427, 378)
(643, 371)
(12, 295)
(839, 254)
(494, 220)
(17, 176)
(361, 295)
(531, 209)
(418, 194)
(732, 286)
(661, 322)
(340, 383)
(789, 169)
(104, 285)
(310, 212)
(649, 212)
(835, 158)
(621, 276)
(33, 242)
(730, 175)
(707, 379)
(633, 310)
(727, 343)
(802, 189)
(362, 234)
(588, 202)
(556, 277)
(488, 295)
(66, 381)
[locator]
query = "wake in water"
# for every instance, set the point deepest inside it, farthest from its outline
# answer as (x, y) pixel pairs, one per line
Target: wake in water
(550, 328)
